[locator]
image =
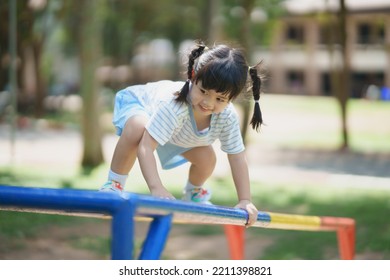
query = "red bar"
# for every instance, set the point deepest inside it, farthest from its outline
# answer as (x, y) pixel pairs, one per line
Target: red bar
(236, 240)
(345, 228)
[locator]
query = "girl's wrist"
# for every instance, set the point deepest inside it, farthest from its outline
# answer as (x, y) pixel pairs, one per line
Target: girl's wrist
(246, 200)
(155, 187)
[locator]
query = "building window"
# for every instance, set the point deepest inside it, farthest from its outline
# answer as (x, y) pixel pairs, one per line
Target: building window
(326, 84)
(295, 34)
(295, 82)
(364, 32)
(370, 33)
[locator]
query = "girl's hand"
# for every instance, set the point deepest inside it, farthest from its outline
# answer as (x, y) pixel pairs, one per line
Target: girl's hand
(251, 209)
(162, 193)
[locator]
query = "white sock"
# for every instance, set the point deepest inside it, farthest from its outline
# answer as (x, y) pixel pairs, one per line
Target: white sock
(121, 179)
(190, 186)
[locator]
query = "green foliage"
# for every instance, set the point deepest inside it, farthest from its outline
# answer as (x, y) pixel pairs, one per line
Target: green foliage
(261, 29)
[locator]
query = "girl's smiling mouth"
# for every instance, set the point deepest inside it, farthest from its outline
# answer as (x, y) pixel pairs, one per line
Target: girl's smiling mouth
(204, 109)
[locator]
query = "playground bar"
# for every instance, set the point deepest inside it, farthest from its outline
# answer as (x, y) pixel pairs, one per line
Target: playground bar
(130, 206)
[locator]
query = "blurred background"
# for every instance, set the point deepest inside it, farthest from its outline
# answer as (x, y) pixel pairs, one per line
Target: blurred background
(324, 149)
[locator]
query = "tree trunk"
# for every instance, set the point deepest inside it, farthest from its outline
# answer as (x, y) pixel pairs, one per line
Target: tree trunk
(245, 41)
(40, 90)
(211, 25)
(343, 94)
(90, 54)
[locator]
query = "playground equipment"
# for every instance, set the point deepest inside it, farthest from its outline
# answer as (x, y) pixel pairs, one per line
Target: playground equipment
(162, 213)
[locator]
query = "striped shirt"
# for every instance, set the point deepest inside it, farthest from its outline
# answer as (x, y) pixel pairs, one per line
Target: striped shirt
(173, 122)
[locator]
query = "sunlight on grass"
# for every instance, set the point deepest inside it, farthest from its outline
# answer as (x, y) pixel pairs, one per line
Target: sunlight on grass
(315, 122)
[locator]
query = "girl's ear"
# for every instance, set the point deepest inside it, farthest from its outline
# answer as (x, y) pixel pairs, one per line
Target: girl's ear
(193, 75)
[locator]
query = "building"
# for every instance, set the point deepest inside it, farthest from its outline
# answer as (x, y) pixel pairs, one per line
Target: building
(305, 48)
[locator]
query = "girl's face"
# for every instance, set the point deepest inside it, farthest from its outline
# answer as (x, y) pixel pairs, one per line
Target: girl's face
(207, 101)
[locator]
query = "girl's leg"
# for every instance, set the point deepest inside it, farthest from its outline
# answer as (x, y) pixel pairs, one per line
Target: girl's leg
(125, 153)
(203, 161)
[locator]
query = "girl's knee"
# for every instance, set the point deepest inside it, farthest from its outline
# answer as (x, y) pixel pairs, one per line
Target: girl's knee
(202, 156)
(212, 158)
(134, 129)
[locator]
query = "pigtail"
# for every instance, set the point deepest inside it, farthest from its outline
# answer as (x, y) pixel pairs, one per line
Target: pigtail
(257, 118)
(195, 53)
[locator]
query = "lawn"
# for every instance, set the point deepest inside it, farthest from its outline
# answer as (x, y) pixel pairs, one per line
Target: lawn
(296, 121)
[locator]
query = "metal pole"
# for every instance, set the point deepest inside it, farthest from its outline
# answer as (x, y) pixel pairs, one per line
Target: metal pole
(12, 75)
(122, 228)
(157, 237)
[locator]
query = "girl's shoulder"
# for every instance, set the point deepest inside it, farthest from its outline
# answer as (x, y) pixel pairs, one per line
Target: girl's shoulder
(158, 89)
(164, 87)
(164, 94)
(229, 112)
(227, 118)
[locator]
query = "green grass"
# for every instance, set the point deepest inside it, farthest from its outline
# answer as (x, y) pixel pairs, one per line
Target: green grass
(315, 122)
(16, 228)
(98, 245)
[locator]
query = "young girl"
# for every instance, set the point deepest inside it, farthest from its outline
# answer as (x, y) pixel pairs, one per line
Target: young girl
(182, 120)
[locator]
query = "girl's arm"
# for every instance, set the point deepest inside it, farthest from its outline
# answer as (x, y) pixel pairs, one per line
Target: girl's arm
(148, 165)
(239, 168)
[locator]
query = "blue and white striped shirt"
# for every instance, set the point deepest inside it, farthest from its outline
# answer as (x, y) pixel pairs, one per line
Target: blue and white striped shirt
(171, 122)
(174, 122)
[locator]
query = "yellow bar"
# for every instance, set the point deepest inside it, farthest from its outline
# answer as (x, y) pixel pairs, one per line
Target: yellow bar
(286, 221)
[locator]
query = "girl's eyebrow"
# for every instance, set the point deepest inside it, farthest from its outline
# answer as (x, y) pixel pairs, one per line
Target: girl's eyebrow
(201, 88)
(221, 95)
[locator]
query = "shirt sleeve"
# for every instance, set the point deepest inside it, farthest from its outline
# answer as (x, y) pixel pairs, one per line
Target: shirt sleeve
(163, 123)
(230, 137)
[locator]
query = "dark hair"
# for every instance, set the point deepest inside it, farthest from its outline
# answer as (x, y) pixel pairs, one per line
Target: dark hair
(225, 70)
(257, 118)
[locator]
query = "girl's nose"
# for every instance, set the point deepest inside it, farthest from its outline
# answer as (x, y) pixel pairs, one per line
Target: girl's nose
(207, 102)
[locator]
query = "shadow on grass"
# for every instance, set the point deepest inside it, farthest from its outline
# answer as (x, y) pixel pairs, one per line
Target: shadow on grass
(333, 160)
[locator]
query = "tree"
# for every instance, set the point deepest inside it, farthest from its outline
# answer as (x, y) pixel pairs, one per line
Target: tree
(90, 55)
(336, 34)
(247, 45)
(31, 35)
(343, 94)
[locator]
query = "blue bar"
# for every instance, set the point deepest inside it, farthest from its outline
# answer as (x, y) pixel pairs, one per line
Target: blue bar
(122, 243)
(80, 201)
(235, 215)
(60, 199)
(156, 239)
(123, 209)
